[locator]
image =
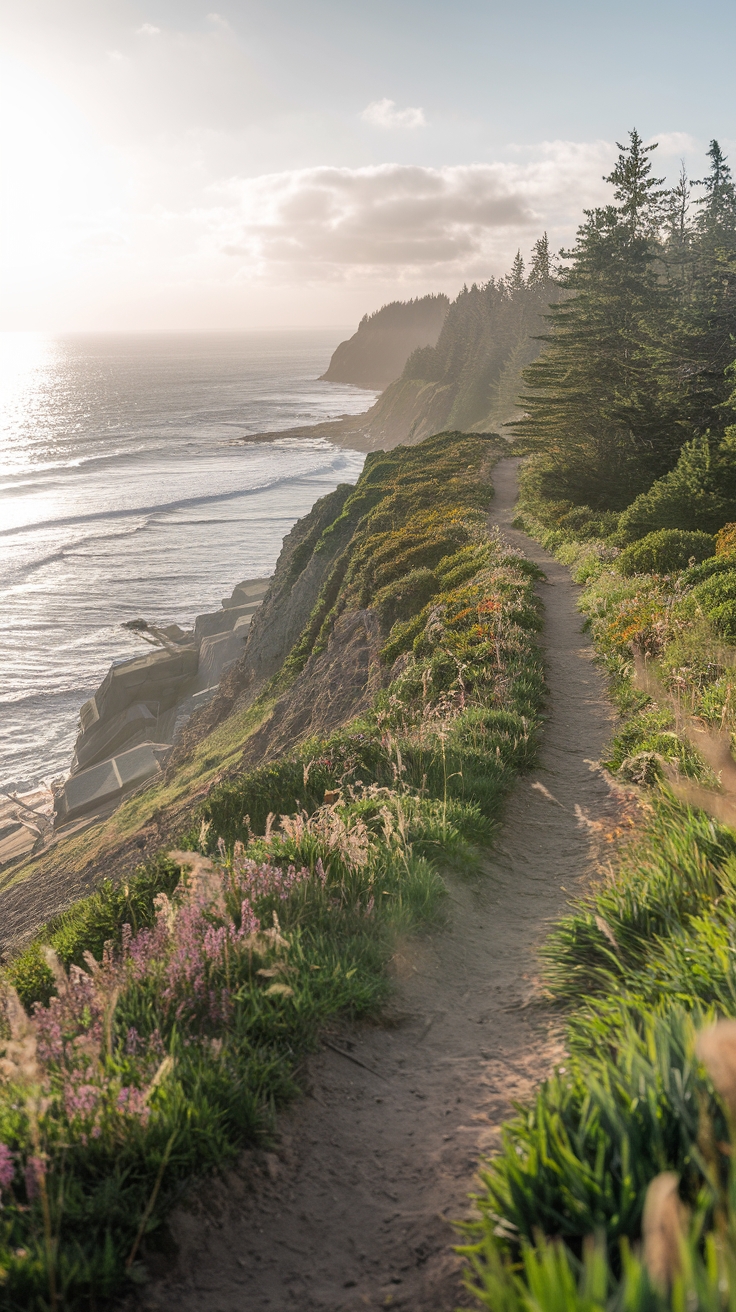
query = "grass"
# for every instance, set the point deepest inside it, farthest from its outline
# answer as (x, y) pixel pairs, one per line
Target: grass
(640, 969)
(159, 1024)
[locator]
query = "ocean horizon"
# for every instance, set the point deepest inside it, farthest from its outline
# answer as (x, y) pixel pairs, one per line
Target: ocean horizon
(126, 493)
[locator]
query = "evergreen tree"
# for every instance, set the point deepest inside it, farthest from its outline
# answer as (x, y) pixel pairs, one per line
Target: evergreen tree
(594, 403)
(719, 202)
(705, 322)
(638, 193)
(540, 272)
(676, 209)
(515, 280)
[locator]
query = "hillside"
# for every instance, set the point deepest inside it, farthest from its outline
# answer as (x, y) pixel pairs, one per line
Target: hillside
(376, 354)
(471, 378)
(389, 690)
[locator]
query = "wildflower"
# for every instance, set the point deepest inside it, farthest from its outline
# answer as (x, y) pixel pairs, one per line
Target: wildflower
(133, 1041)
(81, 1100)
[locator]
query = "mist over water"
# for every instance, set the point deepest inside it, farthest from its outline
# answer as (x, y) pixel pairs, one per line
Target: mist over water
(123, 493)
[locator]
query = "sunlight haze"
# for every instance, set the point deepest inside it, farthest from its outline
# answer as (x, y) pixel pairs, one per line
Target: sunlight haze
(289, 165)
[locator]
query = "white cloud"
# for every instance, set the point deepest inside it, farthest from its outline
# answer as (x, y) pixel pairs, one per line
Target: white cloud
(384, 114)
(148, 30)
(461, 221)
(672, 143)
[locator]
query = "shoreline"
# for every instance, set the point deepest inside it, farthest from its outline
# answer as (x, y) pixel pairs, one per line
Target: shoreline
(130, 726)
(347, 432)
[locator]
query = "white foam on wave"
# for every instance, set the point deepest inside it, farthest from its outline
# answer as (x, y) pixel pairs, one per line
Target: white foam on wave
(159, 519)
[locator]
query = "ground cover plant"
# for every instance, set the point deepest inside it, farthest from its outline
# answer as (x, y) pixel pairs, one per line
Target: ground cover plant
(641, 1110)
(153, 1030)
(643, 966)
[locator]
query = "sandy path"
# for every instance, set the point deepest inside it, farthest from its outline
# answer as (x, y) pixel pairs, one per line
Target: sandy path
(353, 1211)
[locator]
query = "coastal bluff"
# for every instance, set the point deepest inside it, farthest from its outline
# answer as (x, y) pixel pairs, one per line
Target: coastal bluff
(376, 354)
(128, 728)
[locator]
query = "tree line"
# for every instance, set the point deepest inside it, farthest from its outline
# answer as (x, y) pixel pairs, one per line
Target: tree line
(636, 369)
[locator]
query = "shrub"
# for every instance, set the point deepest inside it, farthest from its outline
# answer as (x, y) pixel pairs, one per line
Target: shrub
(717, 597)
(699, 494)
(664, 552)
(726, 540)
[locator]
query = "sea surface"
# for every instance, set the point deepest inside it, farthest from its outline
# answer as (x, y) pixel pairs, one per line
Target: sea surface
(124, 493)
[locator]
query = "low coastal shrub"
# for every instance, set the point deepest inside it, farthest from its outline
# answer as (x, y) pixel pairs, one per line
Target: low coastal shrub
(155, 1028)
(643, 972)
(665, 552)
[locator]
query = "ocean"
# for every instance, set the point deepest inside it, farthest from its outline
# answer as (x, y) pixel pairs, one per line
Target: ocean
(124, 493)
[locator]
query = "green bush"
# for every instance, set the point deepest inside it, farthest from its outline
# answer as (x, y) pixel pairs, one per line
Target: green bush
(665, 552)
(717, 597)
(699, 494)
(406, 596)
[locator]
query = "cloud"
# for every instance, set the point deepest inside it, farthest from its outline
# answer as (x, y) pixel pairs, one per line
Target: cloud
(673, 143)
(148, 30)
(461, 220)
(377, 217)
(384, 114)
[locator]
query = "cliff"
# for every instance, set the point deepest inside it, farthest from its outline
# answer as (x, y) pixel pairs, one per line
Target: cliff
(364, 559)
(376, 354)
(469, 381)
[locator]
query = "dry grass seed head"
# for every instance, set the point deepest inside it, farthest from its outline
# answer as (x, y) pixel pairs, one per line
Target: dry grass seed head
(663, 1229)
(716, 1049)
(204, 881)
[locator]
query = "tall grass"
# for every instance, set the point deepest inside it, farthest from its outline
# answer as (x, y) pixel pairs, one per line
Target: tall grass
(158, 1025)
(639, 1116)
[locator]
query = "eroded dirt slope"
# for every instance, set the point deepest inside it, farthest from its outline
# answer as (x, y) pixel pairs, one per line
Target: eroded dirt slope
(353, 1210)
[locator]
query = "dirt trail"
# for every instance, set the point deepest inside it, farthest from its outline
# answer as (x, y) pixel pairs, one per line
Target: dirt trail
(354, 1209)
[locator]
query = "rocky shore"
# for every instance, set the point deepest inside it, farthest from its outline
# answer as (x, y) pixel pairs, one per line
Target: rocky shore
(131, 724)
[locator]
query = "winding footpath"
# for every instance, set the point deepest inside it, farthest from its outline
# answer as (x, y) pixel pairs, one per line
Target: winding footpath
(354, 1210)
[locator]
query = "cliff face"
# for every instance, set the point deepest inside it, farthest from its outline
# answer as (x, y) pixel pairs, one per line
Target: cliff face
(472, 378)
(470, 381)
(376, 354)
(361, 559)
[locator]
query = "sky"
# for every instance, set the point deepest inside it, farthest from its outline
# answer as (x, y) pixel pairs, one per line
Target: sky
(297, 163)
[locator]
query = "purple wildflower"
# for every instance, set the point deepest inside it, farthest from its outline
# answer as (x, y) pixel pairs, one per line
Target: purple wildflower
(81, 1100)
(132, 1041)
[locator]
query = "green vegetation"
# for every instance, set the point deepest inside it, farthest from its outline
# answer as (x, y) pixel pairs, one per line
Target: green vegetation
(638, 350)
(615, 1188)
(665, 551)
(155, 1027)
(471, 379)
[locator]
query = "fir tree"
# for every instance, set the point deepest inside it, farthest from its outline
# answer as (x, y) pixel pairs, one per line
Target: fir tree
(540, 272)
(719, 202)
(515, 280)
(638, 193)
(594, 403)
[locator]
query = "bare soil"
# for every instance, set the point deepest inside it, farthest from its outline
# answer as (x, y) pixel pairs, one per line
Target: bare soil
(354, 1208)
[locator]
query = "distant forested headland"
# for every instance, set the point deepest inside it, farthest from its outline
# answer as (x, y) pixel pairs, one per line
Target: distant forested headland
(606, 360)
(376, 354)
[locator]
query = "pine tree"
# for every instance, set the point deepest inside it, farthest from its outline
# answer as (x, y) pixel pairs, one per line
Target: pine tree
(515, 280)
(540, 272)
(593, 401)
(676, 209)
(705, 324)
(719, 202)
(638, 193)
